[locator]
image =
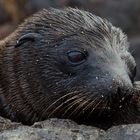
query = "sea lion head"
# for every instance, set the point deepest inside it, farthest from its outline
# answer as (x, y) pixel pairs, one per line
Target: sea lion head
(70, 64)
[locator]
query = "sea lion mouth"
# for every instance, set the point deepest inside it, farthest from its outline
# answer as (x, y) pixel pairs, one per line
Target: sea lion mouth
(79, 102)
(85, 107)
(115, 102)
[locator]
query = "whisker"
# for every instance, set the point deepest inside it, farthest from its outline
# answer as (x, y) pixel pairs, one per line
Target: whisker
(63, 104)
(54, 103)
(90, 104)
(80, 107)
(105, 103)
(97, 104)
(76, 102)
(59, 100)
(71, 105)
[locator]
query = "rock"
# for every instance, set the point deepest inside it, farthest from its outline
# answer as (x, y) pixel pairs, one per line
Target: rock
(62, 129)
(52, 129)
(124, 132)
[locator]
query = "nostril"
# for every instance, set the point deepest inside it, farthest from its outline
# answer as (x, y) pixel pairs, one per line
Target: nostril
(123, 93)
(122, 85)
(119, 91)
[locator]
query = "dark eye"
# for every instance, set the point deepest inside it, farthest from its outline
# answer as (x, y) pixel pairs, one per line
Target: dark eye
(76, 57)
(26, 38)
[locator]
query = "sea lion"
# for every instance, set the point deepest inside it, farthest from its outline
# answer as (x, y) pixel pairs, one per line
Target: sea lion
(71, 64)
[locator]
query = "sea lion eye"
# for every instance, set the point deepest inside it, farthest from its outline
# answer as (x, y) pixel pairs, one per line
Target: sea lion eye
(76, 57)
(26, 38)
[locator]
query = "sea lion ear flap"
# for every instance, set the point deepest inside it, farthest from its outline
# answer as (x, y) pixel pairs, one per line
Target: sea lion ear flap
(29, 37)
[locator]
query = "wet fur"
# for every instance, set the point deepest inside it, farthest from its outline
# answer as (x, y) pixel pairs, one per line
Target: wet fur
(34, 86)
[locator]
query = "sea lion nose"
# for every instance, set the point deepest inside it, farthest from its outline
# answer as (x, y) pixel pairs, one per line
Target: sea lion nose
(121, 85)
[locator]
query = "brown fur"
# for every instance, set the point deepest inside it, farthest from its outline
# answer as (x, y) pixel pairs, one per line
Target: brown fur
(38, 81)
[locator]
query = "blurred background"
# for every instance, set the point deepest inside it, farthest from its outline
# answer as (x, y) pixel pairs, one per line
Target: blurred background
(122, 13)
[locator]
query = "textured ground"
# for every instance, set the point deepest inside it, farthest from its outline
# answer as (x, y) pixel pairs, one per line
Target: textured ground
(57, 129)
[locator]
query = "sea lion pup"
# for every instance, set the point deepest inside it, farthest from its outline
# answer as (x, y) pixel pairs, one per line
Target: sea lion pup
(67, 64)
